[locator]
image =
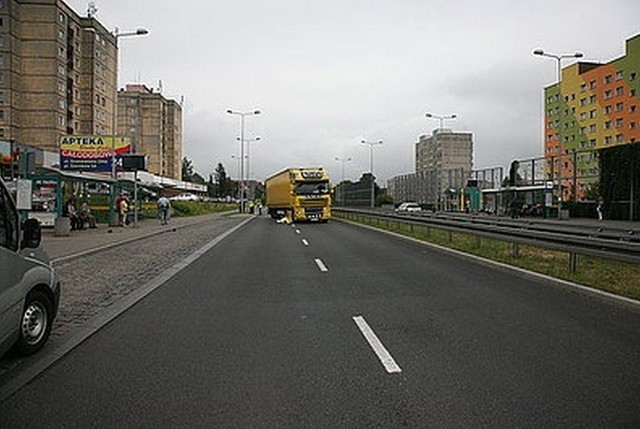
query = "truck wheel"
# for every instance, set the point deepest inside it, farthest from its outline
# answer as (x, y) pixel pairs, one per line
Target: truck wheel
(35, 323)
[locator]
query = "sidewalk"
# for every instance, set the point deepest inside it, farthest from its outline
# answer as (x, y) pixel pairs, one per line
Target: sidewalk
(104, 235)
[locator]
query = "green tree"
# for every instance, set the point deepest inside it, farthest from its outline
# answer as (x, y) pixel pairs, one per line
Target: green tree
(223, 186)
(187, 170)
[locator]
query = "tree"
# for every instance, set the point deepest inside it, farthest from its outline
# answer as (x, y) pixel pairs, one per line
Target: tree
(187, 170)
(222, 182)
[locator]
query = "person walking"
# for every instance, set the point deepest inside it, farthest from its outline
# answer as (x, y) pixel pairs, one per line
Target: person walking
(600, 209)
(164, 205)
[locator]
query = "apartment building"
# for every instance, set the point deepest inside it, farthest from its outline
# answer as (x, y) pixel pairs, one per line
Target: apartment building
(443, 160)
(154, 125)
(595, 106)
(57, 73)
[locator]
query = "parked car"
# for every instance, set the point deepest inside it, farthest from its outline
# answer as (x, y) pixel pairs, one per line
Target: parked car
(29, 288)
(185, 197)
(409, 207)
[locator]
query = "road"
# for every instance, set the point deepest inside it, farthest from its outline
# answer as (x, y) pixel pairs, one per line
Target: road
(269, 329)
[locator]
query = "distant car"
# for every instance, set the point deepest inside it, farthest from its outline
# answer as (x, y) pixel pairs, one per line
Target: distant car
(409, 207)
(185, 197)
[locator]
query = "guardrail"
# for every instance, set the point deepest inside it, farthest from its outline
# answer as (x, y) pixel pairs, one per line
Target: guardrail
(622, 244)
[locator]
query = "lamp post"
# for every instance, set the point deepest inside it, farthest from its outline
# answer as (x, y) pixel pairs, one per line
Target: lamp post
(248, 155)
(558, 58)
(238, 172)
(342, 160)
(117, 35)
(371, 145)
(242, 140)
(440, 128)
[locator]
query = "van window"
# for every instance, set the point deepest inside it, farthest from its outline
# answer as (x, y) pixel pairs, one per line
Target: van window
(8, 221)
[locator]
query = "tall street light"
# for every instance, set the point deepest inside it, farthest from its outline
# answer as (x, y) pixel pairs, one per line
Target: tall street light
(371, 145)
(242, 140)
(248, 156)
(117, 35)
(342, 160)
(558, 58)
(437, 136)
(238, 172)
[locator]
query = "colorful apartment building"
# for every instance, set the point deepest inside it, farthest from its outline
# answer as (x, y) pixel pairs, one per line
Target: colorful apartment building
(597, 107)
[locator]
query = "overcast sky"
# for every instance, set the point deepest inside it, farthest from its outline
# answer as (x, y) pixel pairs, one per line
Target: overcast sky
(327, 74)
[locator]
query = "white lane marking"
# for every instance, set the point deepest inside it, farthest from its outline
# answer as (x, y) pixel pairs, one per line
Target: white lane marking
(297, 231)
(384, 356)
(305, 242)
(321, 265)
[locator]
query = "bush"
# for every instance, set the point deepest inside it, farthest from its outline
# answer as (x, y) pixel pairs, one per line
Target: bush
(195, 208)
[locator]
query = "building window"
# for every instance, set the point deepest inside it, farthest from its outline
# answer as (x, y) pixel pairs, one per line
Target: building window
(608, 79)
(1, 77)
(61, 104)
(632, 125)
(619, 107)
(1, 59)
(592, 84)
(619, 138)
(607, 125)
(632, 109)
(1, 40)
(607, 140)
(619, 123)
(3, 97)
(592, 99)
(592, 114)
(583, 102)
(632, 93)
(620, 75)
(583, 87)
(583, 116)
(592, 128)
(607, 110)
(632, 76)
(607, 94)
(619, 90)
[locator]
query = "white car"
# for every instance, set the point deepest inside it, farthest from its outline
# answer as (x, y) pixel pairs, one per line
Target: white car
(185, 197)
(409, 207)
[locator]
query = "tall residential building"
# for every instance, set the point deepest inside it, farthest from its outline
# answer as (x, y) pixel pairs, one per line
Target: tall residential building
(443, 160)
(444, 150)
(154, 125)
(57, 73)
(597, 106)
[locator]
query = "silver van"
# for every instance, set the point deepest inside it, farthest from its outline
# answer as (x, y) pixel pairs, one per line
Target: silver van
(29, 288)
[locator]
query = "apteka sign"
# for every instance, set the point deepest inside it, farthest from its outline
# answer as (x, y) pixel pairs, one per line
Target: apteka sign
(92, 153)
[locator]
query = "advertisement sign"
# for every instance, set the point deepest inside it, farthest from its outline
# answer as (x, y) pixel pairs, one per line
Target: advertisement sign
(92, 153)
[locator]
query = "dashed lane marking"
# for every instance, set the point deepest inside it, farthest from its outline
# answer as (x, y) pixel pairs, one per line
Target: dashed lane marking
(321, 265)
(385, 357)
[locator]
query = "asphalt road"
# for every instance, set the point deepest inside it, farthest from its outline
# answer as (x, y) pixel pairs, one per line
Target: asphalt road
(269, 329)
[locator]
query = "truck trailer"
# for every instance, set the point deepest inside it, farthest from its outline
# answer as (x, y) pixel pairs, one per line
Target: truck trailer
(299, 194)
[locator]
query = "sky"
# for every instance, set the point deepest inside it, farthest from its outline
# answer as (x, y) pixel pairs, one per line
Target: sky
(327, 74)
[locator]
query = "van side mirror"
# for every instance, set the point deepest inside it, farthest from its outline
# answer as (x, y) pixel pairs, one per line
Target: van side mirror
(31, 234)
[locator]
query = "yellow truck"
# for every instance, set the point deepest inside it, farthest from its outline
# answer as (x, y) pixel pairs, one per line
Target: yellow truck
(299, 194)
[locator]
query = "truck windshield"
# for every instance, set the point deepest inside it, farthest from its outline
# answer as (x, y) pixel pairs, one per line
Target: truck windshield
(312, 188)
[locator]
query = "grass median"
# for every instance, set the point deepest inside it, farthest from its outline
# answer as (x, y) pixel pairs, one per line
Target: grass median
(620, 278)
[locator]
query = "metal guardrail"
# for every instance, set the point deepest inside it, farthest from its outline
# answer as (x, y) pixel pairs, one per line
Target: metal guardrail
(622, 244)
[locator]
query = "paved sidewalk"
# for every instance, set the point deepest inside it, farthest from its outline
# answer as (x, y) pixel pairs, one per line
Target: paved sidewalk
(88, 239)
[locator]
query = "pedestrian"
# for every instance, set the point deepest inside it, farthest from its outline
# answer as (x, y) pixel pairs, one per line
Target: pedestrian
(87, 216)
(600, 209)
(71, 212)
(123, 209)
(164, 205)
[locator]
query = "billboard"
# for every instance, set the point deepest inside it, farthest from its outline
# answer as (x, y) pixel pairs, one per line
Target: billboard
(92, 153)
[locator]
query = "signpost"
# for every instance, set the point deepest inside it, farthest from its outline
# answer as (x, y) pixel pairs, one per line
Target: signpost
(93, 152)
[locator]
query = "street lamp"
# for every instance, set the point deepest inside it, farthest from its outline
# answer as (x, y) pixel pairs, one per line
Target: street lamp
(117, 35)
(437, 136)
(342, 160)
(242, 140)
(238, 172)
(558, 58)
(248, 155)
(371, 145)
(441, 118)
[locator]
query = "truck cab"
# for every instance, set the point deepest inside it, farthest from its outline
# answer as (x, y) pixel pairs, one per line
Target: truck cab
(29, 288)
